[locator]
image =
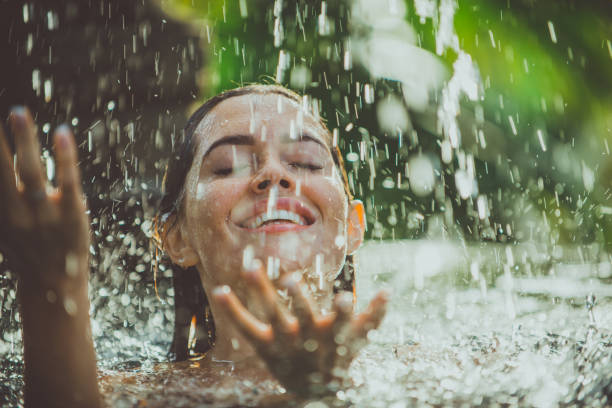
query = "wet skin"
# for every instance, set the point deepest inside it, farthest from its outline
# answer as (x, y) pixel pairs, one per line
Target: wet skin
(258, 153)
(45, 234)
(250, 161)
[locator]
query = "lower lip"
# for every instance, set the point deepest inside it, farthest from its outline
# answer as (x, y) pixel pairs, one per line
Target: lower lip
(278, 228)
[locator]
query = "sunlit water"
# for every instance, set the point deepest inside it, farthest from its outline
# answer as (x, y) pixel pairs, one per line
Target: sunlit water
(462, 328)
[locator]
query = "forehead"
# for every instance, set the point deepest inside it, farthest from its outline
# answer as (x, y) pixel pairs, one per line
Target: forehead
(247, 114)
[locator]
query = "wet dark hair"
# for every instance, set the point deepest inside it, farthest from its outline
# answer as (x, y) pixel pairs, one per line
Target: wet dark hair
(191, 307)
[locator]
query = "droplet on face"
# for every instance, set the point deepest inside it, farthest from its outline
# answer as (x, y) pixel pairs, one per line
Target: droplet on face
(298, 187)
(272, 198)
(247, 257)
(319, 269)
(252, 117)
(339, 241)
(200, 191)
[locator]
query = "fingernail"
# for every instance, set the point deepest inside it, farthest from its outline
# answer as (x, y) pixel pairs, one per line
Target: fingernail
(18, 116)
(254, 265)
(385, 294)
(252, 274)
(61, 134)
(291, 280)
(221, 290)
(17, 110)
(63, 128)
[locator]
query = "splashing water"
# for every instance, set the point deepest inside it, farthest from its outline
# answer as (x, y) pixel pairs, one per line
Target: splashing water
(473, 324)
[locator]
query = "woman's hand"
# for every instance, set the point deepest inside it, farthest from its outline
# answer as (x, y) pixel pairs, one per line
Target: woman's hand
(44, 231)
(309, 353)
(45, 234)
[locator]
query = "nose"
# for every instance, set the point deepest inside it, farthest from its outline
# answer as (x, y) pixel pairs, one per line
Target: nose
(272, 174)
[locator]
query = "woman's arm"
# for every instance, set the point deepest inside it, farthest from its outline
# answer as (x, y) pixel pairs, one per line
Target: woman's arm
(45, 234)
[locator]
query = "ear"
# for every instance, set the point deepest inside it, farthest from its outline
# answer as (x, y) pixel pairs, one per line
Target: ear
(356, 225)
(177, 245)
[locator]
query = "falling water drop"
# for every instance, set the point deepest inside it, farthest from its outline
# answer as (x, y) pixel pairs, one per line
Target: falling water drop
(48, 90)
(26, 13)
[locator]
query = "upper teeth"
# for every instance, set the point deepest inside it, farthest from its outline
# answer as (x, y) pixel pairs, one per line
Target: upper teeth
(276, 215)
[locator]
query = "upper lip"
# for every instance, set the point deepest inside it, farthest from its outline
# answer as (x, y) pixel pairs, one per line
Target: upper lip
(282, 203)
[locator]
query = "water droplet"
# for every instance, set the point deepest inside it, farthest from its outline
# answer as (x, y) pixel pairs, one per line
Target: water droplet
(26, 13)
(300, 77)
(352, 157)
(51, 296)
(392, 115)
(421, 175)
(48, 90)
(70, 306)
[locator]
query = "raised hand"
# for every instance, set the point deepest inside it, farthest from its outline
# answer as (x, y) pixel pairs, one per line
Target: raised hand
(44, 231)
(309, 353)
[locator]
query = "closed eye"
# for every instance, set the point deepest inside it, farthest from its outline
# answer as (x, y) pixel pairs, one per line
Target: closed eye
(237, 170)
(223, 171)
(306, 166)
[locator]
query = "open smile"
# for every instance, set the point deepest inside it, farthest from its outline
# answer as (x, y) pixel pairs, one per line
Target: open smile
(287, 215)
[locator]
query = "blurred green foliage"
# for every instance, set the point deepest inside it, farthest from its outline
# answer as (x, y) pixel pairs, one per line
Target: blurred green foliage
(546, 112)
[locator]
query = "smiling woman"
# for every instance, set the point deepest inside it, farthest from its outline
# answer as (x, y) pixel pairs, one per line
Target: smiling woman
(256, 175)
(258, 218)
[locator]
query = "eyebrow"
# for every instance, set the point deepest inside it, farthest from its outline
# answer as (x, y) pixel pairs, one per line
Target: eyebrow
(305, 137)
(250, 141)
(231, 140)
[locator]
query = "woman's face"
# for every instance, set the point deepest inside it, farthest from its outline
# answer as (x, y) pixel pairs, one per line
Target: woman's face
(263, 185)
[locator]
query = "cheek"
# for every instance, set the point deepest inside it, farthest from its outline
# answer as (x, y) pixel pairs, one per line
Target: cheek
(331, 198)
(210, 205)
(332, 201)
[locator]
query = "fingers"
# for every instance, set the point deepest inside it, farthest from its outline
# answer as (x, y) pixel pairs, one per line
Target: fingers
(8, 189)
(275, 312)
(343, 307)
(302, 305)
(371, 318)
(28, 153)
(67, 173)
(249, 326)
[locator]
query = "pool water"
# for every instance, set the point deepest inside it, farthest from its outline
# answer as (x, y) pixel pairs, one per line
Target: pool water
(492, 325)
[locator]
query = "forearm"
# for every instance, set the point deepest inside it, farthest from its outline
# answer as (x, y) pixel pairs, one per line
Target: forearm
(60, 362)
